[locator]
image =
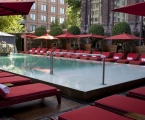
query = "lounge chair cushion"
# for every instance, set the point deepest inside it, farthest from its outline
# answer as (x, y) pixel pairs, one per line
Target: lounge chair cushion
(30, 89)
(90, 113)
(129, 58)
(143, 59)
(15, 80)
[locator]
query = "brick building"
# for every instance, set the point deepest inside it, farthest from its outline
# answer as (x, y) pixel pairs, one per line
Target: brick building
(99, 12)
(43, 12)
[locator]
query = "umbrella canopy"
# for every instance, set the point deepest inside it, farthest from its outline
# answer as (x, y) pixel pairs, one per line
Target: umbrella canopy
(124, 36)
(90, 35)
(13, 7)
(47, 37)
(67, 35)
(135, 9)
(29, 36)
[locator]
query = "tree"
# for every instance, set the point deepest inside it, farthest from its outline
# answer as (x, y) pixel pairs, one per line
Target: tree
(64, 25)
(40, 31)
(120, 28)
(75, 30)
(54, 23)
(73, 12)
(11, 24)
(56, 31)
(96, 29)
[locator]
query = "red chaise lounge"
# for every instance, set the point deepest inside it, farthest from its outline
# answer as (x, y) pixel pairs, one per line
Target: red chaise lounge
(30, 51)
(60, 54)
(130, 57)
(98, 58)
(24, 93)
(36, 51)
(68, 55)
(15, 80)
(90, 113)
(76, 56)
(122, 105)
(141, 60)
(85, 57)
(6, 74)
(43, 50)
(138, 93)
(115, 57)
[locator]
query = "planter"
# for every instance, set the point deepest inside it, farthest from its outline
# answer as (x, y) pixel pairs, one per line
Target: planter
(87, 47)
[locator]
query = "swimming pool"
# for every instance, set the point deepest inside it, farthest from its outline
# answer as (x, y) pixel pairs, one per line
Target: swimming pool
(76, 74)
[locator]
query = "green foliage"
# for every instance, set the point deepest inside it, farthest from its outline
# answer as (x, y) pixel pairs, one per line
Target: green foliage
(54, 23)
(73, 12)
(40, 31)
(56, 31)
(64, 25)
(11, 24)
(120, 28)
(18, 41)
(96, 29)
(75, 30)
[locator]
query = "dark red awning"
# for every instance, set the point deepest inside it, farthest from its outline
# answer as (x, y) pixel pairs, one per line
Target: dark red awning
(135, 9)
(90, 35)
(11, 7)
(67, 35)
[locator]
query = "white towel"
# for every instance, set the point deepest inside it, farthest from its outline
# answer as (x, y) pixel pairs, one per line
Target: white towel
(5, 89)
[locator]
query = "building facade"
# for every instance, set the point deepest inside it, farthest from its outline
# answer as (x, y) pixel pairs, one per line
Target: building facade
(43, 12)
(99, 12)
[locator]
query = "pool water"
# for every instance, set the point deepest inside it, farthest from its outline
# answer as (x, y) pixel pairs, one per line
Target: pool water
(81, 75)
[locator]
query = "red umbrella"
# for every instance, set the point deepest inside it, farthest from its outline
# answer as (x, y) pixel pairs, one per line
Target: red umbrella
(11, 7)
(124, 37)
(67, 35)
(90, 35)
(135, 9)
(47, 37)
(29, 36)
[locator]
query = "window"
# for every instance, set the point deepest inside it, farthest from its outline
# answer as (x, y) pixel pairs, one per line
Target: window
(52, 19)
(61, 20)
(52, 9)
(33, 6)
(32, 27)
(62, 10)
(43, 7)
(32, 16)
(43, 18)
(53, 0)
(61, 1)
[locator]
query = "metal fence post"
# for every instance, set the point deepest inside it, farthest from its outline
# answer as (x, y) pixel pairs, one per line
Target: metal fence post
(51, 63)
(103, 75)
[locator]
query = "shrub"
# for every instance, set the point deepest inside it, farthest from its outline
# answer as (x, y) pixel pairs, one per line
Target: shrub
(120, 28)
(96, 29)
(75, 30)
(56, 31)
(40, 31)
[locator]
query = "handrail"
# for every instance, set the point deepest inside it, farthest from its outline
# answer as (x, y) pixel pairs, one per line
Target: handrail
(102, 56)
(51, 61)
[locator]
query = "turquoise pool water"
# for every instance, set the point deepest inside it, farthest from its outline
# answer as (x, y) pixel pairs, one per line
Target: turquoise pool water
(76, 74)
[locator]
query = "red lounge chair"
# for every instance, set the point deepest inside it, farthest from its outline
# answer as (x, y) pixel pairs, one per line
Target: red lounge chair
(85, 57)
(141, 60)
(76, 56)
(32, 50)
(130, 57)
(68, 55)
(15, 80)
(94, 56)
(60, 54)
(50, 50)
(97, 58)
(56, 50)
(138, 93)
(122, 104)
(24, 93)
(6, 74)
(116, 57)
(43, 50)
(90, 113)
(36, 51)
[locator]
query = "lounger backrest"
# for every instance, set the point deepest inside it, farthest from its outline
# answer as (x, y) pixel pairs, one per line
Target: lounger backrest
(79, 51)
(71, 51)
(88, 52)
(57, 50)
(33, 49)
(50, 50)
(44, 49)
(64, 50)
(106, 54)
(132, 56)
(96, 52)
(142, 57)
(37, 50)
(118, 56)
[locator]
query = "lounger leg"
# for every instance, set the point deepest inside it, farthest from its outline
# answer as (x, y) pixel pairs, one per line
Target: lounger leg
(58, 96)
